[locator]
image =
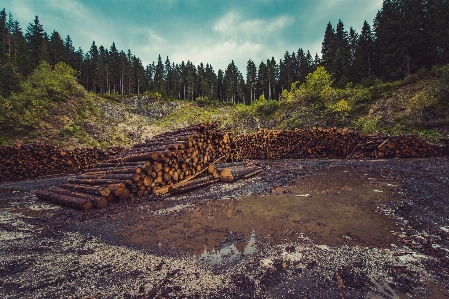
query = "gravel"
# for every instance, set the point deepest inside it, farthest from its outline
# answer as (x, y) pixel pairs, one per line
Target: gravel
(43, 256)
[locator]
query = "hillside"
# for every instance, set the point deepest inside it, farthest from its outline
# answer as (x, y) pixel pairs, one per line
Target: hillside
(75, 118)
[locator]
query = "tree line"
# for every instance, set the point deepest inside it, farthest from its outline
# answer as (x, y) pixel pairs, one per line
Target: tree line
(406, 36)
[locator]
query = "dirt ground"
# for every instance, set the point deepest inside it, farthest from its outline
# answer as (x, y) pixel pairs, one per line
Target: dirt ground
(300, 229)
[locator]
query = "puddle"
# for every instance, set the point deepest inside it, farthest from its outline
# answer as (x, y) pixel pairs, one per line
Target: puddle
(335, 206)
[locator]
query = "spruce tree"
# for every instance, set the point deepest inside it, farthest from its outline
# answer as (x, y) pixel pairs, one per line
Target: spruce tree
(262, 80)
(57, 49)
(44, 50)
(22, 55)
(342, 56)
(3, 28)
(364, 54)
(251, 77)
(220, 85)
(149, 73)
(34, 36)
(93, 69)
(70, 53)
(328, 48)
(159, 81)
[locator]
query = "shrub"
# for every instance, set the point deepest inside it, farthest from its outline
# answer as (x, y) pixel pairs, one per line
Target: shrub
(40, 92)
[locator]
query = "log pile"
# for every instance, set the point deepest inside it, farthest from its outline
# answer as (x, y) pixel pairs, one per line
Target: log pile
(193, 157)
(22, 161)
(332, 143)
(175, 160)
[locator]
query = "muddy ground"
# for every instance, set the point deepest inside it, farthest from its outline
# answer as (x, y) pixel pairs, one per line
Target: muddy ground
(300, 229)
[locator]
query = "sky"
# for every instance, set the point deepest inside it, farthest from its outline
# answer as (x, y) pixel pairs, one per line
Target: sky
(208, 31)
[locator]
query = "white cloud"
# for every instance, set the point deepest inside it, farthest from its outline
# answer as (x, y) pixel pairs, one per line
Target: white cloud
(233, 27)
(221, 54)
(20, 11)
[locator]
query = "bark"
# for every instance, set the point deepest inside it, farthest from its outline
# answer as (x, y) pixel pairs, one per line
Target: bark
(62, 199)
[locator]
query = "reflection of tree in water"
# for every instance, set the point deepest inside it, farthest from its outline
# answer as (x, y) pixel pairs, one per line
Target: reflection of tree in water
(230, 252)
(225, 230)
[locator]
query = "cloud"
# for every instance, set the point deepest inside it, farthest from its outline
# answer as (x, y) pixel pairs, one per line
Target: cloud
(205, 31)
(233, 27)
(221, 54)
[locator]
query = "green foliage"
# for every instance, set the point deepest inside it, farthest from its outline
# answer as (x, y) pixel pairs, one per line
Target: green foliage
(40, 93)
(264, 107)
(153, 94)
(368, 125)
(318, 84)
(341, 109)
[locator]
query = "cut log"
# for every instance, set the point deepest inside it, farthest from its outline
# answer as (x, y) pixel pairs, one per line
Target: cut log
(191, 187)
(229, 175)
(99, 202)
(95, 190)
(63, 199)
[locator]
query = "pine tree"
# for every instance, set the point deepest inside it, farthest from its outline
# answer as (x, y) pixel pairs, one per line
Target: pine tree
(22, 55)
(262, 79)
(401, 44)
(438, 31)
(102, 70)
(128, 70)
(93, 67)
(364, 55)
(3, 29)
(57, 49)
(211, 78)
(176, 79)
(304, 65)
(190, 72)
(35, 36)
(353, 39)
(273, 74)
(231, 83)
(70, 53)
(44, 50)
(220, 85)
(168, 78)
(251, 77)
(114, 64)
(159, 81)
(328, 48)
(284, 71)
(342, 56)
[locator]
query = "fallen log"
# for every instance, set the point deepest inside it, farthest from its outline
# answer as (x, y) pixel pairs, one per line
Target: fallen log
(96, 182)
(99, 202)
(95, 190)
(229, 175)
(191, 187)
(63, 199)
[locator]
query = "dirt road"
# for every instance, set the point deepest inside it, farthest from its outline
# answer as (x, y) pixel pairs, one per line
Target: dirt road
(300, 229)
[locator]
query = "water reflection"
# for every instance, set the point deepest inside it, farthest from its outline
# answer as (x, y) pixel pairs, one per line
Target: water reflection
(340, 209)
(229, 253)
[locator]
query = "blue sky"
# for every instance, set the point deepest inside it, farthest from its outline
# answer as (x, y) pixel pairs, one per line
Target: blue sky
(208, 31)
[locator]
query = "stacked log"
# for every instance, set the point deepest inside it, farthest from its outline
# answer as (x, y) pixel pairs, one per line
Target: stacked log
(406, 146)
(331, 143)
(193, 157)
(161, 162)
(23, 161)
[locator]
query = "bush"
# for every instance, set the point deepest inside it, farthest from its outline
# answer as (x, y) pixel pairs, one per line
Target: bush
(368, 125)
(40, 92)
(265, 107)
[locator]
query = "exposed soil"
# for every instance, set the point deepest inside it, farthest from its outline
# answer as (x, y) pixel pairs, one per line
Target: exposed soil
(300, 229)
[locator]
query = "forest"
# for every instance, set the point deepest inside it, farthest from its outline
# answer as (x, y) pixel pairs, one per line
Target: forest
(405, 37)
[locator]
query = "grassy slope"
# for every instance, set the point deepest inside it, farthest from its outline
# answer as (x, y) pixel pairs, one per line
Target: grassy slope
(418, 105)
